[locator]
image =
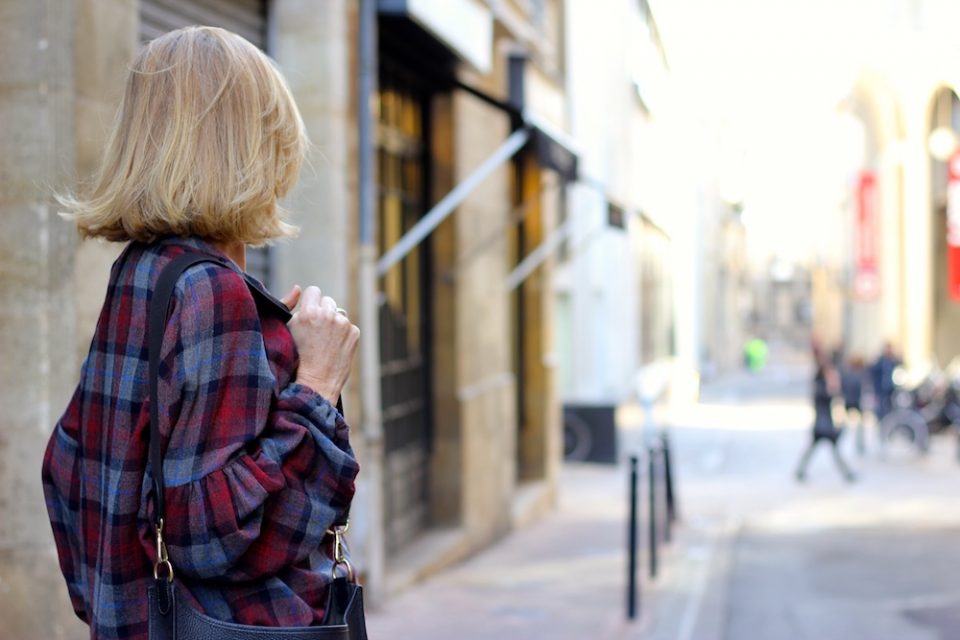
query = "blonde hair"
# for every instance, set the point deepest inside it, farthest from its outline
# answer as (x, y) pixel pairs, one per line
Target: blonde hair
(206, 140)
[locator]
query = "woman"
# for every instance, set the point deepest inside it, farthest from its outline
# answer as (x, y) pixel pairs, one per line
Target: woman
(257, 461)
(826, 386)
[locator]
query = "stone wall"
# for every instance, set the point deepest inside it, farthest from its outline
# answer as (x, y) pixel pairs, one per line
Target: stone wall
(105, 43)
(313, 47)
(36, 303)
(484, 373)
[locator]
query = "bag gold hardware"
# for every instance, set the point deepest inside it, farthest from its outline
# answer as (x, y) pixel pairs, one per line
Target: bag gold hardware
(163, 560)
(339, 551)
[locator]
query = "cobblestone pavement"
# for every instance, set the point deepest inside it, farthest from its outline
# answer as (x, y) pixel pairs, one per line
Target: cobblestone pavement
(756, 557)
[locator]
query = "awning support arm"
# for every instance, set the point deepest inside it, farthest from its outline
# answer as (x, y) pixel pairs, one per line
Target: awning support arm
(538, 255)
(432, 219)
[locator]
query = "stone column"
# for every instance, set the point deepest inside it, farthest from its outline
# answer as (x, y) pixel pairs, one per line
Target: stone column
(106, 42)
(37, 367)
(313, 45)
(486, 384)
(917, 347)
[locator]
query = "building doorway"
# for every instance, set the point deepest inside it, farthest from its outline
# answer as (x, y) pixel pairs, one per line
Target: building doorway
(404, 159)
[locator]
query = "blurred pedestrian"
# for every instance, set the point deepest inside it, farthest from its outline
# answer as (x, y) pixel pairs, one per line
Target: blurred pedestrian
(816, 348)
(755, 354)
(881, 378)
(826, 386)
(851, 383)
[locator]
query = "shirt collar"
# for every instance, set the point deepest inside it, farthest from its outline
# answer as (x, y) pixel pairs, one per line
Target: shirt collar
(263, 295)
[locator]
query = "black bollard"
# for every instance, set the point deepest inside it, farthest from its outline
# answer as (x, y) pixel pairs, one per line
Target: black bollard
(668, 484)
(652, 464)
(632, 542)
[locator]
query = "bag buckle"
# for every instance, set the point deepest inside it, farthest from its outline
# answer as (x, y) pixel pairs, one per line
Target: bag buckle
(163, 560)
(339, 550)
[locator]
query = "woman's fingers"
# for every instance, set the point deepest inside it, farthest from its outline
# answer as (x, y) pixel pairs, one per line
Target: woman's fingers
(326, 341)
(311, 296)
(329, 304)
(291, 299)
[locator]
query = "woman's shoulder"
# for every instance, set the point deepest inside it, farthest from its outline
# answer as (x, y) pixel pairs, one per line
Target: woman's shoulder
(217, 272)
(203, 288)
(214, 292)
(209, 290)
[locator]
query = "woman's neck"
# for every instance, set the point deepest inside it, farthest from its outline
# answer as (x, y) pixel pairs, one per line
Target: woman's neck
(236, 251)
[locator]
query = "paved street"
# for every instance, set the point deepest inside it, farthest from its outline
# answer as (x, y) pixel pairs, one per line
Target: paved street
(821, 560)
(757, 556)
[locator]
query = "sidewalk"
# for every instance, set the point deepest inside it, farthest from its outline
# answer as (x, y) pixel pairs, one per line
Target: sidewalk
(562, 577)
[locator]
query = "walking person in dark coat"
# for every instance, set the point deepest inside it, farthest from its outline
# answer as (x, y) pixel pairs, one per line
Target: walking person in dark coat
(851, 382)
(881, 376)
(826, 386)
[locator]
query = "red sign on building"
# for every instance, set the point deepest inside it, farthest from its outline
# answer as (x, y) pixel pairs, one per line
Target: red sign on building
(953, 227)
(866, 279)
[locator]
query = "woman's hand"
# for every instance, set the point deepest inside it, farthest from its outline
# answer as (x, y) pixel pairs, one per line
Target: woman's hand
(291, 299)
(325, 339)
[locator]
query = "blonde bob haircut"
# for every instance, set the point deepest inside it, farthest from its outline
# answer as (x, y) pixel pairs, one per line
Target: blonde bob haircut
(206, 140)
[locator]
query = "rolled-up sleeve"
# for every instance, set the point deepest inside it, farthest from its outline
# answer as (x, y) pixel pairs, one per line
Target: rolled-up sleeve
(255, 474)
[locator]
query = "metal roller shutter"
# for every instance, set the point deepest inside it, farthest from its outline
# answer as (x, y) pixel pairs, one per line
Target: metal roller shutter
(247, 18)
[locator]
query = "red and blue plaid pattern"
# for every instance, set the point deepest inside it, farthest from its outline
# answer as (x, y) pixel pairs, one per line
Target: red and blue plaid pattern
(257, 467)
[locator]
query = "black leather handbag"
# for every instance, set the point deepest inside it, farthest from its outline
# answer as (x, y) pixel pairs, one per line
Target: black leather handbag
(171, 618)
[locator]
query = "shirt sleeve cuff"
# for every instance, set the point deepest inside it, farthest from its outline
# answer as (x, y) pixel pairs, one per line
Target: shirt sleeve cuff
(311, 405)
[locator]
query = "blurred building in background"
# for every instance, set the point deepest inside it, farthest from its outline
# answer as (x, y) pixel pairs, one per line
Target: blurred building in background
(603, 272)
(630, 278)
(899, 280)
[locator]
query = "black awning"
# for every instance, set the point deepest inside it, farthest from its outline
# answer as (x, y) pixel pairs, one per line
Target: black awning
(554, 149)
(555, 154)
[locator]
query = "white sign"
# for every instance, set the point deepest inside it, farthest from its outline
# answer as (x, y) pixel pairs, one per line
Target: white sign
(465, 26)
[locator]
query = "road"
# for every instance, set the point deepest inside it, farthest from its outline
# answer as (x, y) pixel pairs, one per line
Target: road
(757, 556)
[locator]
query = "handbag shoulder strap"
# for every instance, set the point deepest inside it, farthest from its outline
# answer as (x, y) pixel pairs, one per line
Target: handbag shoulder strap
(159, 308)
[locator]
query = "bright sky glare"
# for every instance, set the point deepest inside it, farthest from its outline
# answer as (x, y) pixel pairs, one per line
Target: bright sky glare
(760, 82)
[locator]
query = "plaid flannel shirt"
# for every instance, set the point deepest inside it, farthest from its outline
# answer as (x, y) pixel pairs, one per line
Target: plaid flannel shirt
(257, 467)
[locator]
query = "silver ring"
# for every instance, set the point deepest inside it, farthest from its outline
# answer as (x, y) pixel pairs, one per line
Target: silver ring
(342, 312)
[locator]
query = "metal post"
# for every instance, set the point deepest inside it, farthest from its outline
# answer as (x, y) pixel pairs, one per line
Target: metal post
(652, 504)
(536, 257)
(667, 523)
(668, 485)
(365, 123)
(632, 542)
(372, 420)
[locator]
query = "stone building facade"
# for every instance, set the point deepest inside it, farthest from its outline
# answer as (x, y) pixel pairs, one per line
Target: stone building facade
(899, 100)
(471, 429)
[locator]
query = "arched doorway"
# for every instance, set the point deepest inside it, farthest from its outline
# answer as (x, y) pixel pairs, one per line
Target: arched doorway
(944, 123)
